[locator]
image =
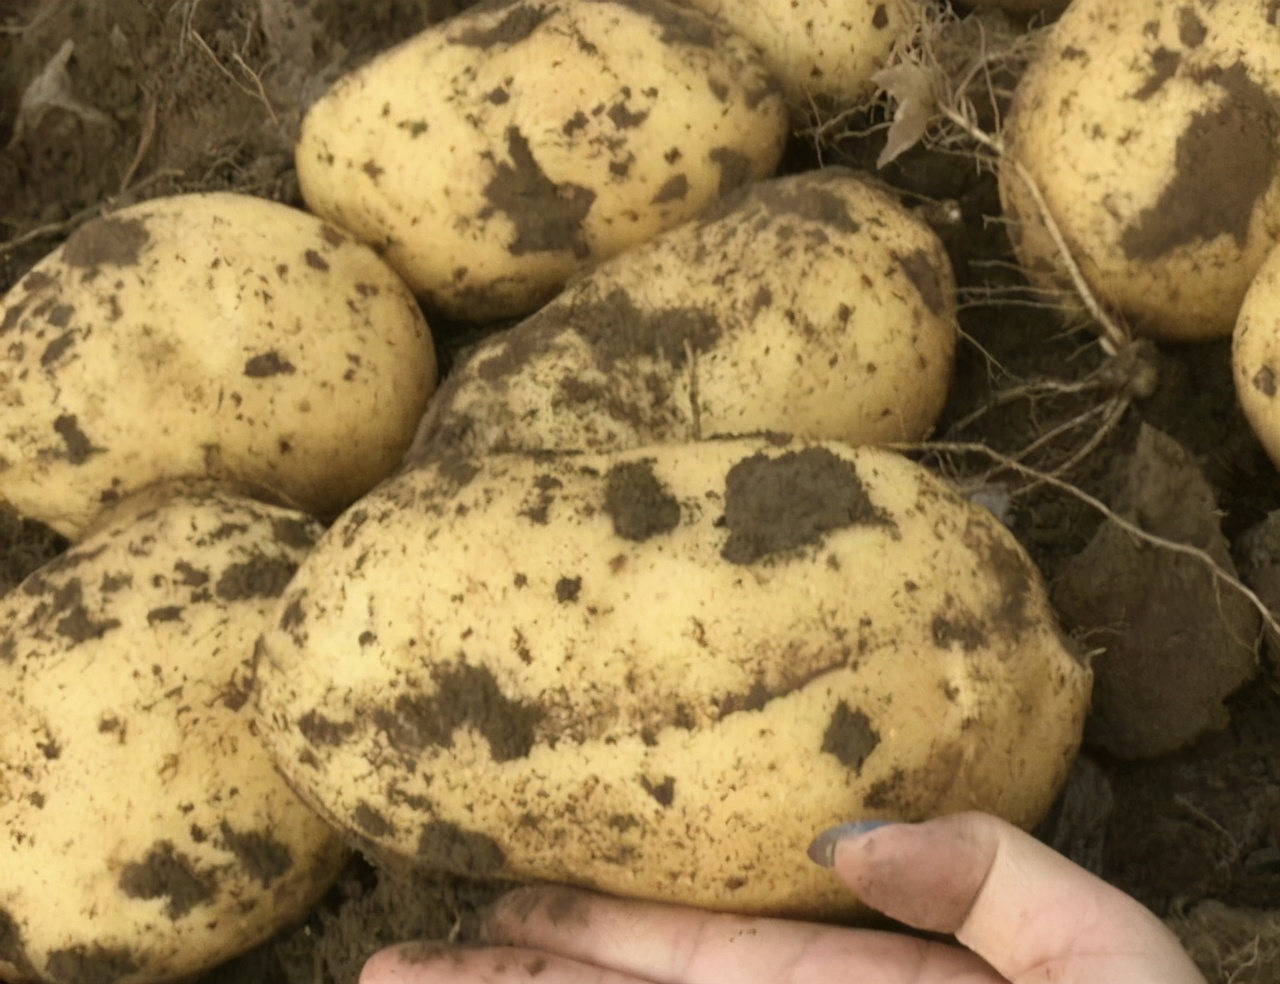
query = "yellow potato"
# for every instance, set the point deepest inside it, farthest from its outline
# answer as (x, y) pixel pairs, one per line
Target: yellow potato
(209, 335)
(1152, 130)
(813, 304)
(661, 672)
(497, 153)
(144, 834)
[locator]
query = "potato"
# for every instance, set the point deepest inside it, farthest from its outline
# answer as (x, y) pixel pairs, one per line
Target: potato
(144, 834)
(206, 335)
(660, 672)
(1152, 131)
(813, 304)
(497, 153)
(820, 50)
(1255, 355)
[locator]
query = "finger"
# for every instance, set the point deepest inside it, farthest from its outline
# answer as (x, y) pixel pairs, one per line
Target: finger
(670, 944)
(1022, 907)
(435, 963)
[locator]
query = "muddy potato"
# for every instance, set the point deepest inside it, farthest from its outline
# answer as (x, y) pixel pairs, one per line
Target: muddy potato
(661, 672)
(144, 834)
(1255, 355)
(813, 304)
(495, 154)
(820, 50)
(1153, 131)
(206, 335)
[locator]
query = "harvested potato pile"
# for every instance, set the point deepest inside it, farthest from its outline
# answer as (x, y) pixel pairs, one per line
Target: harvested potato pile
(813, 304)
(144, 834)
(493, 156)
(659, 672)
(209, 335)
(1152, 131)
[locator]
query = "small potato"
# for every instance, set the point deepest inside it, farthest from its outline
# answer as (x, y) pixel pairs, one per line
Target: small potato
(660, 672)
(813, 304)
(206, 335)
(1153, 131)
(822, 51)
(1255, 355)
(144, 834)
(494, 155)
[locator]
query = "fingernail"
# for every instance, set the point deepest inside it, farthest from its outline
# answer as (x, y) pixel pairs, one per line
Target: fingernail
(823, 849)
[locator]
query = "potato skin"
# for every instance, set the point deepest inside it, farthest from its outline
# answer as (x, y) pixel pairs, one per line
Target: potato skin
(1152, 129)
(144, 834)
(813, 304)
(487, 180)
(1255, 355)
(212, 335)
(660, 672)
(822, 51)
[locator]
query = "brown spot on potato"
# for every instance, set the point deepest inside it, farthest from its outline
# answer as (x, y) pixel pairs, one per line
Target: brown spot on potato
(445, 846)
(466, 696)
(321, 731)
(574, 123)
(777, 505)
(1191, 29)
(372, 822)
(547, 217)
(90, 964)
(57, 348)
(298, 534)
(367, 638)
(498, 96)
(166, 873)
(959, 629)
(735, 169)
(664, 791)
(880, 19)
(8, 648)
(517, 25)
(1264, 381)
(623, 118)
(850, 737)
(168, 613)
(261, 577)
(371, 168)
(1164, 65)
(638, 503)
(60, 315)
(922, 270)
(261, 856)
(316, 261)
(78, 446)
(108, 241)
(1225, 161)
(189, 575)
(12, 950)
(268, 364)
(568, 589)
(674, 189)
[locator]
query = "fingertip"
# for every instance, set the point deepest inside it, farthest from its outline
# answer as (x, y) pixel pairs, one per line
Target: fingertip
(403, 962)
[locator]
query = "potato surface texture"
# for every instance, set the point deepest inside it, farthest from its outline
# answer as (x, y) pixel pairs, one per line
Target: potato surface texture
(813, 304)
(144, 834)
(820, 50)
(497, 153)
(661, 672)
(1153, 132)
(213, 335)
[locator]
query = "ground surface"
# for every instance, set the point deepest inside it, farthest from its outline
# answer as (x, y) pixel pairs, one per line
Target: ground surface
(170, 96)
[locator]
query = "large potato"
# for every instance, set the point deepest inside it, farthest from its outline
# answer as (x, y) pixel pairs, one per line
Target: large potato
(1255, 355)
(206, 335)
(661, 672)
(813, 304)
(822, 51)
(1153, 131)
(144, 834)
(495, 154)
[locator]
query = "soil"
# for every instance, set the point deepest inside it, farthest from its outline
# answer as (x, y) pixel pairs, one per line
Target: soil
(162, 96)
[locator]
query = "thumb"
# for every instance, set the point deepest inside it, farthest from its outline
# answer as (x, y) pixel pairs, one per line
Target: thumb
(1022, 907)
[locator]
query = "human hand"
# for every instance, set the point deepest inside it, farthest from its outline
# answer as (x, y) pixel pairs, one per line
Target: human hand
(1022, 913)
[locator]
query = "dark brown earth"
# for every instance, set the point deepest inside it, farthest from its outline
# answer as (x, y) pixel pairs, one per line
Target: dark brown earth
(206, 95)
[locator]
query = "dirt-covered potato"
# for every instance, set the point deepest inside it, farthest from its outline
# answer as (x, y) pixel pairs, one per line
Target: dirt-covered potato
(661, 672)
(1153, 131)
(1255, 355)
(144, 833)
(813, 304)
(496, 154)
(822, 51)
(206, 335)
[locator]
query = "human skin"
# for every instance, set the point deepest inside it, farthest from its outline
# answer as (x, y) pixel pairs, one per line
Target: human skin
(1018, 913)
